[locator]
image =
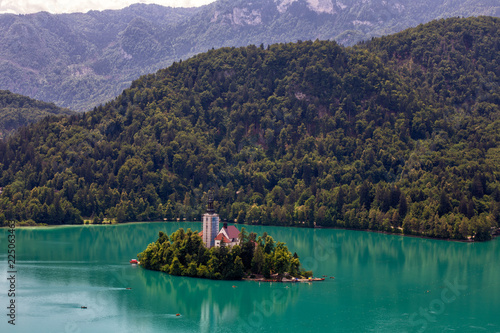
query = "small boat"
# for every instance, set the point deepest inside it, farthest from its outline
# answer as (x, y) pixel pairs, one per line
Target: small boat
(128, 288)
(134, 261)
(84, 307)
(178, 314)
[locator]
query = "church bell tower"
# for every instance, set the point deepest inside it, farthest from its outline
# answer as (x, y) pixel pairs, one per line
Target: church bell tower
(210, 223)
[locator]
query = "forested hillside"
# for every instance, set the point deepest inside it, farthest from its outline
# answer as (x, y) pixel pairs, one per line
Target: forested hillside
(84, 59)
(399, 134)
(17, 111)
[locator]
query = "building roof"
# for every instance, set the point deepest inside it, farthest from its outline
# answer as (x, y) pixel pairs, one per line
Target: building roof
(227, 234)
(222, 238)
(232, 232)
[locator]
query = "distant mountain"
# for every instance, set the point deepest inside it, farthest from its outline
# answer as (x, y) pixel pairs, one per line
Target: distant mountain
(399, 134)
(82, 60)
(17, 111)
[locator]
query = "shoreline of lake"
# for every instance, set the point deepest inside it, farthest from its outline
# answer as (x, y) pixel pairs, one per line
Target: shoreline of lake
(495, 235)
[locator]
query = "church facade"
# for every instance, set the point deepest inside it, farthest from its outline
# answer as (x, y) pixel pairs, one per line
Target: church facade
(211, 235)
(228, 236)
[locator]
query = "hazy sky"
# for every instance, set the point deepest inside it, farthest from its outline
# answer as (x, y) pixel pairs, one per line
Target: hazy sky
(71, 6)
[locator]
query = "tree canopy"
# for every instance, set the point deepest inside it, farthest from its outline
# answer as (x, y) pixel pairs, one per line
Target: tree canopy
(80, 60)
(399, 134)
(183, 253)
(17, 111)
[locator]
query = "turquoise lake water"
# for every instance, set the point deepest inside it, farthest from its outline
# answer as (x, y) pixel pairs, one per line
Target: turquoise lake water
(383, 283)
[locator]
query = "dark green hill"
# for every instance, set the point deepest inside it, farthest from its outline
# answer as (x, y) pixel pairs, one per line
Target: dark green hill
(399, 134)
(17, 111)
(81, 60)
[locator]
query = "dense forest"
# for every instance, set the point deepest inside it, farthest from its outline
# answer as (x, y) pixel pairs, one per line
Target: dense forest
(81, 60)
(17, 111)
(398, 134)
(185, 254)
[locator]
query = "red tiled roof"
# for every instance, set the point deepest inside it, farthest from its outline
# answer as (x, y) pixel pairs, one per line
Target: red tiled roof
(232, 232)
(222, 238)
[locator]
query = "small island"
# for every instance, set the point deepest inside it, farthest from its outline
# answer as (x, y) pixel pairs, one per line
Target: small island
(222, 255)
(254, 258)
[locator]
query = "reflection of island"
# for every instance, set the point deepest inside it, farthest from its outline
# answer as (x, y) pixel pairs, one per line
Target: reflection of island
(63, 268)
(218, 303)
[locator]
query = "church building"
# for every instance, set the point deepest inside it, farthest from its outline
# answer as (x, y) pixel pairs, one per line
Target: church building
(230, 236)
(227, 236)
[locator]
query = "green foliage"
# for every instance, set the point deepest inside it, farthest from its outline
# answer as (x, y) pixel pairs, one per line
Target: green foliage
(398, 135)
(17, 111)
(185, 254)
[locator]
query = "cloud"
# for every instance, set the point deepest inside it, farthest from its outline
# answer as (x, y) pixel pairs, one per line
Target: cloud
(72, 6)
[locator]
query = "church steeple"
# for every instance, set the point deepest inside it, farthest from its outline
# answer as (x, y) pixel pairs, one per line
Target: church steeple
(210, 205)
(210, 222)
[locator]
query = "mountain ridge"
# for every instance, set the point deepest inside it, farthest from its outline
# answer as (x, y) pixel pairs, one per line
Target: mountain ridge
(83, 60)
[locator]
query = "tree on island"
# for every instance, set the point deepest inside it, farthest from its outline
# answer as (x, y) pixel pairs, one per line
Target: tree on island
(183, 253)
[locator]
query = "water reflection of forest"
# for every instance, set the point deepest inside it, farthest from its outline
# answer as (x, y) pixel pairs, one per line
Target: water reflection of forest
(85, 256)
(115, 244)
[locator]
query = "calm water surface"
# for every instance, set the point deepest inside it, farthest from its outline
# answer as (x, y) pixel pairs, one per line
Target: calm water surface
(383, 283)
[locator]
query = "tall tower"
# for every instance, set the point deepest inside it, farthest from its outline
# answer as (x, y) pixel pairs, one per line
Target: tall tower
(210, 223)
